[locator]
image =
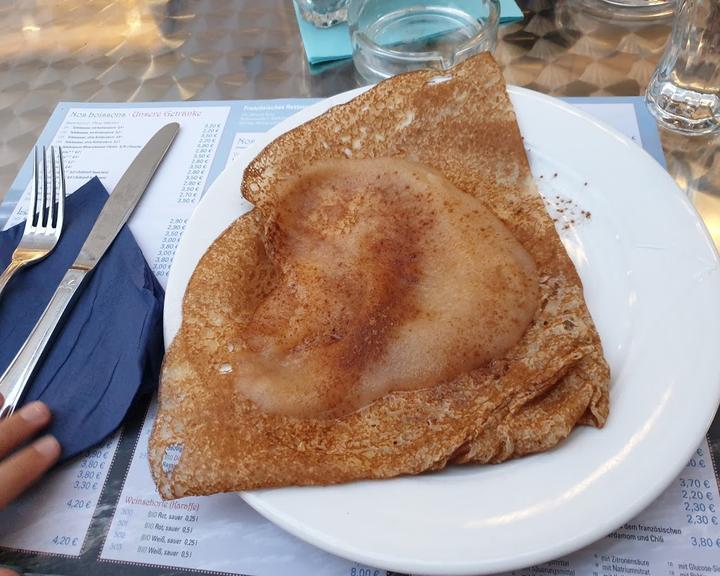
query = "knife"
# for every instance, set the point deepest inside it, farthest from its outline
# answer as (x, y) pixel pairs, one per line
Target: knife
(112, 217)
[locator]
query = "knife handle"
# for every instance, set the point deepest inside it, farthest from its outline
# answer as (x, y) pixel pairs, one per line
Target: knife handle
(17, 375)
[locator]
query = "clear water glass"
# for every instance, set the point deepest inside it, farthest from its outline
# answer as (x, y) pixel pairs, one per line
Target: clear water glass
(323, 13)
(684, 92)
(394, 36)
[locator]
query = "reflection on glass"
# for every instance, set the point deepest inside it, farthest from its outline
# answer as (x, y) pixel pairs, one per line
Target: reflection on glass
(631, 9)
(323, 13)
(394, 36)
(684, 93)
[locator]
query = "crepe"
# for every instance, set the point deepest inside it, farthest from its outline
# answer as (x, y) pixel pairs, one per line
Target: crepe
(210, 438)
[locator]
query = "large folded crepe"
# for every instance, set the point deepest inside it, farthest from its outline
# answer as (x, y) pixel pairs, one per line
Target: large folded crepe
(210, 438)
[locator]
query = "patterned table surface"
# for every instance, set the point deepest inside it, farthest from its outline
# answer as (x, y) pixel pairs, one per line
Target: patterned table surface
(144, 50)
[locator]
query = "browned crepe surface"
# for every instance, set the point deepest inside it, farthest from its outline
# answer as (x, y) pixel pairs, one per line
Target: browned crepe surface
(463, 125)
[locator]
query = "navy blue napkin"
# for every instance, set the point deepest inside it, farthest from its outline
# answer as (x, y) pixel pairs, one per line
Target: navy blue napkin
(110, 347)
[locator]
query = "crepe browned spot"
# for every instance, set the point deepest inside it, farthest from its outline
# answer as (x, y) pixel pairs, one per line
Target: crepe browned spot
(461, 124)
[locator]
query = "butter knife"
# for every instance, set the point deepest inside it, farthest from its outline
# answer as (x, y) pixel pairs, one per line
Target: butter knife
(112, 217)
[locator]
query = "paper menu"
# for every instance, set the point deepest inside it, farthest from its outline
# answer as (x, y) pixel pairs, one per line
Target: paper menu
(241, 141)
(55, 520)
(218, 533)
(677, 535)
(221, 533)
(103, 142)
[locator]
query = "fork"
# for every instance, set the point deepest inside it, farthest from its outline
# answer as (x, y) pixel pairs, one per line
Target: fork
(45, 216)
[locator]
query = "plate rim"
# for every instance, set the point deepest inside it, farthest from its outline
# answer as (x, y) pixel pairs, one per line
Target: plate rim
(254, 499)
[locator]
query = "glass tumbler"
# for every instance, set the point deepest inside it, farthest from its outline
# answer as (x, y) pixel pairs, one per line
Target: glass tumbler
(684, 92)
(394, 36)
(323, 13)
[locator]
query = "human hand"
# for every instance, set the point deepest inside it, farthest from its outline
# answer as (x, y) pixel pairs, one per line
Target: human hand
(22, 468)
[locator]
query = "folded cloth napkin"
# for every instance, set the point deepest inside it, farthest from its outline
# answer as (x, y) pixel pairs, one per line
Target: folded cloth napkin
(109, 349)
(325, 44)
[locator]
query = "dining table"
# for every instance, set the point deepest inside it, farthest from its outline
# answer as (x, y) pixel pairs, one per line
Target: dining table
(141, 51)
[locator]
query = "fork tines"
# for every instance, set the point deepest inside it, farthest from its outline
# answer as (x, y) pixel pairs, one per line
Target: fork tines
(47, 196)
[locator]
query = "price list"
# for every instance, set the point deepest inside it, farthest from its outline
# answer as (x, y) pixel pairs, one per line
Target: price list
(677, 535)
(699, 498)
(54, 517)
(166, 252)
(194, 182)
(219, 532)
(103, 142)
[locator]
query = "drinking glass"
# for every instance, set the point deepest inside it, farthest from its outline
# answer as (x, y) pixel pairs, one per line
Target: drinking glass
(323, 13)
(394, 36)
(684, 92)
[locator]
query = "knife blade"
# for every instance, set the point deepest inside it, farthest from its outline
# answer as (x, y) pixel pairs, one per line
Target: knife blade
(112, 218)
(125, 196)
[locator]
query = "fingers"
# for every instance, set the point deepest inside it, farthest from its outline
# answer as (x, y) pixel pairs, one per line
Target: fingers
(20, 470)
(7, 572)
(22, 426)
(23, 468)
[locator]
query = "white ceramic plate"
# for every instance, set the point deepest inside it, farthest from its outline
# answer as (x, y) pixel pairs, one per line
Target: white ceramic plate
(651, 279)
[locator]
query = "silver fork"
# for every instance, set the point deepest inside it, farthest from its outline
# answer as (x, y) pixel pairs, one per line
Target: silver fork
(45, 215)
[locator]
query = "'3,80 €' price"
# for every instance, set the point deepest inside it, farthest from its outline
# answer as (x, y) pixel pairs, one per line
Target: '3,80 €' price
(700, 542)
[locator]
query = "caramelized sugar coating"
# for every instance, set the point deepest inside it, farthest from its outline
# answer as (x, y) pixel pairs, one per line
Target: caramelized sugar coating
(391, 278)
